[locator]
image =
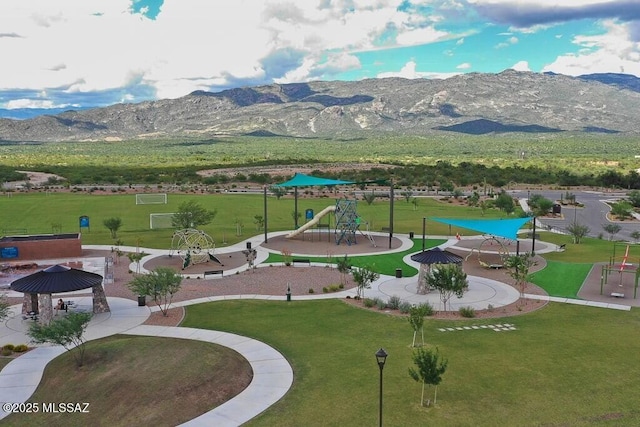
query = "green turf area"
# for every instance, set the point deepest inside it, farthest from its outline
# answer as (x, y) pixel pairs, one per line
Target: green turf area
(40, 212)
(564, 365)
(561, 279)
(383, 264)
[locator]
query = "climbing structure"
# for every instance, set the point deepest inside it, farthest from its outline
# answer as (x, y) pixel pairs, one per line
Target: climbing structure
(347, 221)
(193, 246)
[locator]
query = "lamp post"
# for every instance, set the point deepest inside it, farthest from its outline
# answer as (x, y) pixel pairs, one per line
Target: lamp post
(381, 357)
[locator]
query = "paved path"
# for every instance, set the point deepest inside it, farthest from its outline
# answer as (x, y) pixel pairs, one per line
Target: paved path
(273, 376)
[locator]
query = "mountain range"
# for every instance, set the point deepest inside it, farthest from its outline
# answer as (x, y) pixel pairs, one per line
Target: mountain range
(475, 103)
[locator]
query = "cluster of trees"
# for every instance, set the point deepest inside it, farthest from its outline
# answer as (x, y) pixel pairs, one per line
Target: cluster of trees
(443, 175)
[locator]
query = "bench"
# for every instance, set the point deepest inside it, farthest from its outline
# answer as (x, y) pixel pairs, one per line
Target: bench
(302, 261)
(562, 247)
(617, 295)
(210, 272)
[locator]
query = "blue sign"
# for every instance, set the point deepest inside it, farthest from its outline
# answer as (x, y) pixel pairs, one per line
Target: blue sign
(84, 221)
(308, 214)
(9, 252)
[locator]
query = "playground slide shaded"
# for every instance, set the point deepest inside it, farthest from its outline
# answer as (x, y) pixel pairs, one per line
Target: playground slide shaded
(312, 222)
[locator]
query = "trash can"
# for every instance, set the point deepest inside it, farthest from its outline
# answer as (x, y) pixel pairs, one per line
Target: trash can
(248, 245)
(398, 273)
(411, 234)
(142, 300)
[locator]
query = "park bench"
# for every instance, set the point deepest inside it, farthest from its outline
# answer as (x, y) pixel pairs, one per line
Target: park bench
(562, 247)
(617, 295)
(210, 272)
(302, 261)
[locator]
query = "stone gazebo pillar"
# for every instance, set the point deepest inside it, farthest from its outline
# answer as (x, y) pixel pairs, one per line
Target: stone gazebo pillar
(100, 304)
(45, 314)
(29, 303)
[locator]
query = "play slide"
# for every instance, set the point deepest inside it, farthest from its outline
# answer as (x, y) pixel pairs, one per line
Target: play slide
(311, 223)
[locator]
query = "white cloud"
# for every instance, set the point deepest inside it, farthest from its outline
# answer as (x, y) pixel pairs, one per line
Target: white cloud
(610, 52)
(521, 66)
(408, 71)
(464, 66)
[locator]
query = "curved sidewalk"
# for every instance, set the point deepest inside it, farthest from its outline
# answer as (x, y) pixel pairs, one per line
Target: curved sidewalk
(272, 374)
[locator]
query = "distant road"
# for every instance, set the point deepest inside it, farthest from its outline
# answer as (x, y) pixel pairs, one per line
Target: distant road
(593, 214)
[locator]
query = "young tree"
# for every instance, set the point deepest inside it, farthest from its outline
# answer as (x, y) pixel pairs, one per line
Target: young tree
(578, 231)
(258, 220)
(192, 215)
(414, 202)
(634, 198)
(518, 267)
(344, 266)
(161, 285)
(416, 320)
(407, 194)
(504, 202)
(113, 225)
(612, 229)
(363, 277)
(67, 331)
(278, 191)
(430, 369)
(622, 210)
(635, 235)
(449, 280)
(369, 197)
(540, 205)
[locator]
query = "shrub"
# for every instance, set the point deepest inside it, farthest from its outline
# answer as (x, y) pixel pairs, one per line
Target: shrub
(9, 347)
(426, 308)
(325, 290)
(334, 288)
(380, 303)
(368, 302)
(467, 312)
(490, 308)
(311, 291)
(394, 302)
(404, 307)
(6, 351)
(21, 348)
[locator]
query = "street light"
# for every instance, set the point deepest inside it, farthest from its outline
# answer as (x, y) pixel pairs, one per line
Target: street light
(381, 357)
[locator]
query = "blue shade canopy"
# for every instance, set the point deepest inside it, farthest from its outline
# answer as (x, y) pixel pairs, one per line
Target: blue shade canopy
(507, 228)
(302, 180)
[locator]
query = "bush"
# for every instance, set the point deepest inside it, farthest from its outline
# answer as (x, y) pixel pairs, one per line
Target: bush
(368, 302)
(334, 288)
(426, 308)
(21, 348)
(9, 347)
(311, 291)
(325, 290)
(404, 307)
(467, 312)
(380, 303)
(6, 351)
(394, 302)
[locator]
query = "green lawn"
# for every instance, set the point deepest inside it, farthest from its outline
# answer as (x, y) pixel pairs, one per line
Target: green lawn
(555, 369)
(38, 212)
(561, 279)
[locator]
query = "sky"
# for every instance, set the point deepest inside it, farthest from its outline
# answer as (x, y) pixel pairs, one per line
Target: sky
(89, 53)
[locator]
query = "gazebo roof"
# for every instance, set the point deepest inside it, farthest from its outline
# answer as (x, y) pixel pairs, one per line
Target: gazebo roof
(436, 256)
(55, 279)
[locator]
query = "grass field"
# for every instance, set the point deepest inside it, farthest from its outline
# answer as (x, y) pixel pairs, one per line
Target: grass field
(564, 365)
(39, 212)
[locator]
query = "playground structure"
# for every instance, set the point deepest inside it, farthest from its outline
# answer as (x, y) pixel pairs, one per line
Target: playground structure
(502, 251)
(347, 223)
(193, 247)
(625, 267)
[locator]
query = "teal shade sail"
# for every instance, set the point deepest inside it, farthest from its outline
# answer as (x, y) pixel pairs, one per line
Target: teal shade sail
(507, 228)
(302, 180)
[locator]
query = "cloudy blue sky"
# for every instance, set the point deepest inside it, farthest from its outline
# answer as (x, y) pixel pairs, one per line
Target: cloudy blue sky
(86, 53)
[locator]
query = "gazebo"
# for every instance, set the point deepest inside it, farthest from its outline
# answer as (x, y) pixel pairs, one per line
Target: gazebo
(432, 256)
(38, 288)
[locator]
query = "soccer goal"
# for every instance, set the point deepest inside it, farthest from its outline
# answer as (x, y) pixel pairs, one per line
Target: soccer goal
(151, 199)
(160, 220)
